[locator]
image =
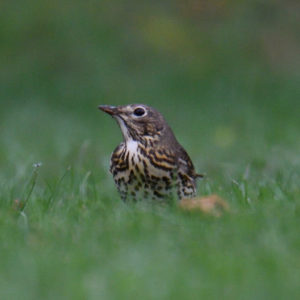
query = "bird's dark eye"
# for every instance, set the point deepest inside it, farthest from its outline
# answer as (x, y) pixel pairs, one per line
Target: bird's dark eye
(139, 112)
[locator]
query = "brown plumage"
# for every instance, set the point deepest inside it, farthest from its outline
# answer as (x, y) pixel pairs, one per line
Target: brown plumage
(149, 163)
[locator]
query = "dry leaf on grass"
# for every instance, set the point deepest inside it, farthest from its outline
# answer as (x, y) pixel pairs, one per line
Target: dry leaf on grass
(211, 205)
(17, 205)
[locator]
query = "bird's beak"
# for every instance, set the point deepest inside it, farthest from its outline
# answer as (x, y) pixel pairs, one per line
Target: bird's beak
(111, 110)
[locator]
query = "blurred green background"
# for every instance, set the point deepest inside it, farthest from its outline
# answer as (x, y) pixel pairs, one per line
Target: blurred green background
(225, 74)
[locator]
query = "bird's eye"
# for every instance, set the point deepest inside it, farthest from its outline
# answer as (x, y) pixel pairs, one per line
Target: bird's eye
(139, 112)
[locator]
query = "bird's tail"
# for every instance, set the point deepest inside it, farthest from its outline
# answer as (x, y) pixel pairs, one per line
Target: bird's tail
(199, 175)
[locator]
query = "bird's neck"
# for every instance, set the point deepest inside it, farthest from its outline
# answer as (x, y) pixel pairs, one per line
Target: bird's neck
(146, 141)
(132, 145)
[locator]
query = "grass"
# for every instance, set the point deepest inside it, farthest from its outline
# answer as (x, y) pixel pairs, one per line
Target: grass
(233, 104)
(66, 234)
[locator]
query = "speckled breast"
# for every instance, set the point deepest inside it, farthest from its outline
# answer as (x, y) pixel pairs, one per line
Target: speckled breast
(140, 173)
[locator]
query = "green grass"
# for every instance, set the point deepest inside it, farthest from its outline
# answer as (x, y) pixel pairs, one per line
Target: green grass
(76, 239)
(233, 103)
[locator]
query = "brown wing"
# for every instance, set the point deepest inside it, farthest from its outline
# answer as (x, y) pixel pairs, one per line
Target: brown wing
(186, 164)
(183, 161)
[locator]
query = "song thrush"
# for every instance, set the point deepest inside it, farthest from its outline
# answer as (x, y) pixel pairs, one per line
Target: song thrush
(149, 163)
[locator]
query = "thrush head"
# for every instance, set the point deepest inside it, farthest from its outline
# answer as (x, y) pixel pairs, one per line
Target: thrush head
(138, 121)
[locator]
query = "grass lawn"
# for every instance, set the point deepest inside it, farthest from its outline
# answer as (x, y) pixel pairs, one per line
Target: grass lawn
(64, 232)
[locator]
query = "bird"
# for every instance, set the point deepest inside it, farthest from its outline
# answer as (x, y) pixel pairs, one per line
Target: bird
(149, 163)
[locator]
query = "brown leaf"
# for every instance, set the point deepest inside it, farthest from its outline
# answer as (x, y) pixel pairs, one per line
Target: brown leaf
(211, 205)
(17, 205)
